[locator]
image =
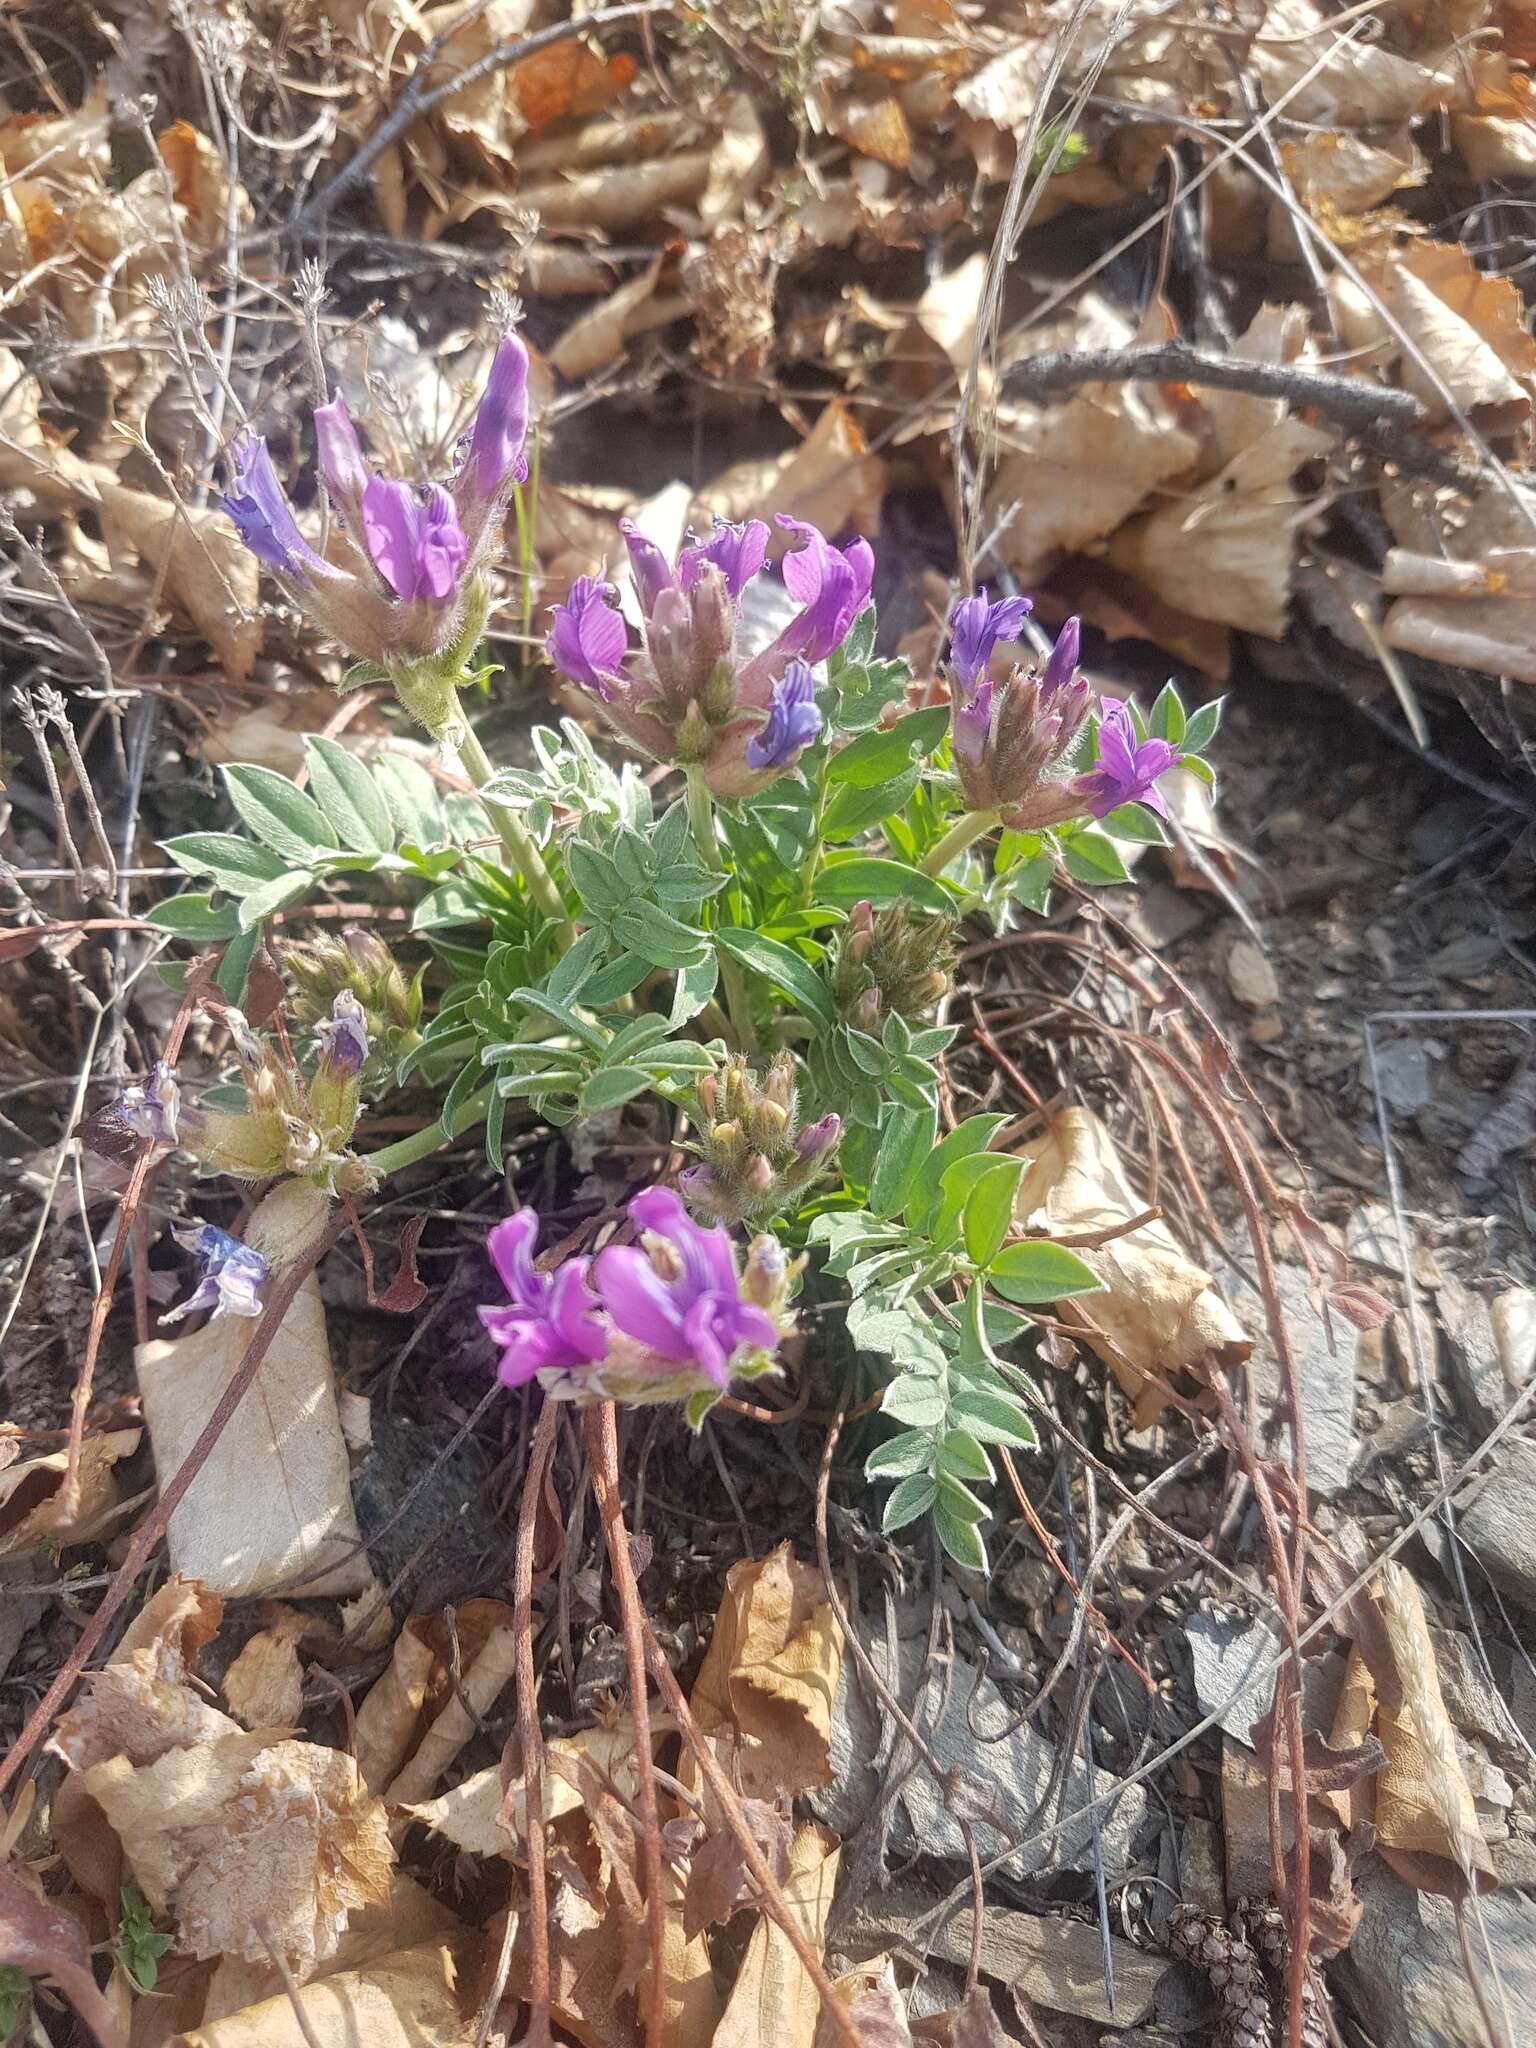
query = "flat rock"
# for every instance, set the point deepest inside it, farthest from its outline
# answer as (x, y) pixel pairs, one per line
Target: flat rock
(1250, 976)
(1472, 1346)
(1326, 1377)
(1474, 1705)
(1403, 1975)
(1008, 1774)
(1233, 1669)
(1371, 1238)
(1499, 1523)
(1407, 1077)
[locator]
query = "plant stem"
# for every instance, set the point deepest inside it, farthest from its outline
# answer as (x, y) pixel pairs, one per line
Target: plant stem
(526, 858)
(963, 833)
(423, 1143)
(701, 816)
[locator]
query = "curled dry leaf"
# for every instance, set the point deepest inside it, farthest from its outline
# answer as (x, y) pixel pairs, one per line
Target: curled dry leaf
(482, 1683)
(1464, 577)
(264, 1687)
(875, 2005)
(738, 162)
(597, 338)
(1420, 1805)
(408, 1999)
(1159, 1312)
(1469, 329)
(46, 1941)
(491, 1820)
(271, 1508)
(1494, 146)
(390, 1716)
(32, 1517)
(1357, 84)
(773, 2000)
(764, 1692)
(221, 1828)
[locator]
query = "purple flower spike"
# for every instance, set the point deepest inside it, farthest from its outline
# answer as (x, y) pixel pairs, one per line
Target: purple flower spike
(1061, 663)
(343, 1037)
(552, 1323)
(691, 1312)
(343, 469)
(737, 549)
(414, 540)
(259, 509)
(653, 572)
(587, 639)
(1127, 769)
(793, 720)
(494, 458)
(152, 1109)
(976, 628)
(832, 584)
(232, 1274)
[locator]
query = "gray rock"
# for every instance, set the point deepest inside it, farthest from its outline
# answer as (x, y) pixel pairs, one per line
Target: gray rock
(1007, 1774)
(1371, 1238)
(1476, 1366)
(1474, 1705)
(1500, 1523)
(1327, 1380)
(1232, 1671)
(1403, 1975)
(1251, 977)
(1407, 1077)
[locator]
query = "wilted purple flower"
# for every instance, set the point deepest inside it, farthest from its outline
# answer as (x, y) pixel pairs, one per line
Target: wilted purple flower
(832, 584)
(343, 1037)
(493, 457)
(1127, 768)
(817, 1140)
(1061, 662)
(259, 508)
(343, 467)
(552, 1325)
(414, 539)
(232, 1273)
(736, 548)
(976, 628)
(793, 720)
(151, 1109)
(587, 638)
(680, 1298)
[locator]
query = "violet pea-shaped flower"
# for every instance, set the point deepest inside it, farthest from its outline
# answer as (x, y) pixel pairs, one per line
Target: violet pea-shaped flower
(1127, 768)
(257, 504)
(792, 723)
(831, 584)
(736, 548)
(493, 457)
(232, 1274)
(550, 1325)
(414, 539)
(343, 467)
(587, 639)
(683, 1306)
(975, 629)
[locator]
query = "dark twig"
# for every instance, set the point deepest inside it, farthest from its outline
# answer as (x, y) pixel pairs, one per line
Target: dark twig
(415, 100)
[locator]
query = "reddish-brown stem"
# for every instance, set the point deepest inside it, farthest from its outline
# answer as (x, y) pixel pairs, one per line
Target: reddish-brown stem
(280, 1298)
(730, 1805)
(603, 1452)
(530, 1739)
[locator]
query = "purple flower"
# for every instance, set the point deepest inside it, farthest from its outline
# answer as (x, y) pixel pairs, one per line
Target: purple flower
(151, 1109)
(737, 550)
(1061, 662)
(587, 639)
(681, 1299)
(976, 628)
(413, 538)
(1127, 769)
(816, 1140)
(652, 570)
(232, 1273)
(343, 468)
(970, 723)
(343, 1037)
(552, 1324)
(832, 584)
(259, 509)
(793, 720)
(493, 458)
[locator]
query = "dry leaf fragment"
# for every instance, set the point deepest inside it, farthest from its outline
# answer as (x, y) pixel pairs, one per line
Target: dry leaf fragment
(408, 1999)
(737, 163)
(46, 1941)
(832, 479)
(264, 1687)
(32, 1516)
(481, 1685)
(764, 1692)
(876, 129)
(1464, 579)
(1492, 146)
(388, 1719)
(614, 198)
(874, 2004)
(272, 1505)
(1357, 84)
(773, 2000)
(1420, 1805)
(597, 337)
(1160, 1312)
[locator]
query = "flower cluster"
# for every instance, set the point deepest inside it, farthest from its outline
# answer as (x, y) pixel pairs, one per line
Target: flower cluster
(290, 1124)
(757, 1154)
(894, 961)
(356, 964)
(1013, 740)
(669, 1319)
(690, 696)
(401, 583)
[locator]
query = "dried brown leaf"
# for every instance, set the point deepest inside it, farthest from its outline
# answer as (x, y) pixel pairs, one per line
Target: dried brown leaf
(738, 162)
(773, 2000)
(272, 1505)
(32, 1517)
(1464, 579)
(1358, 84)
(1160, 1312)
(264, 1687)
(408, 1999)
(832, 479)
(719, 1881)
(482, 1683)
(874, 2004)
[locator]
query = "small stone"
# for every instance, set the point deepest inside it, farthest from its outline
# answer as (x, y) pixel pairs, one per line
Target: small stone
(1250, 976)
(1473, 1349)
(1513, 1319)
(1232, 1678)
(1500, 1523)
(1406, 1075)
(1266, 1029)
(1326, 1377)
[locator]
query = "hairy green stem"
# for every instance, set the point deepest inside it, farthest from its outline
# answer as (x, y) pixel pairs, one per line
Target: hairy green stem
(963, 833)
(701, 816)
(423, 1143)
(526, 858)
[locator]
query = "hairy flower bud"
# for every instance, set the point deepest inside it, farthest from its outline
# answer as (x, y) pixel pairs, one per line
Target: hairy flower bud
(894, 960)
(359, 965)
(758, 1156)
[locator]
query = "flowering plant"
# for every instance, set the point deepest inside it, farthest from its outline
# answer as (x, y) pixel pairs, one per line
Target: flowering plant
(747, 949)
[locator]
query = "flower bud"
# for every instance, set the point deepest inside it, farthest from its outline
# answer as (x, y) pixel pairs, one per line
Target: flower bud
(767, 1275)
(758, 1179)
(818, 1139)
(757, 1158)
